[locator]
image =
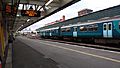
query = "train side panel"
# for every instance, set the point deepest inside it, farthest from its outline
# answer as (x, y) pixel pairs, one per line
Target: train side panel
(55, 33)
(67, 32)
(90, 31)
(116, 29)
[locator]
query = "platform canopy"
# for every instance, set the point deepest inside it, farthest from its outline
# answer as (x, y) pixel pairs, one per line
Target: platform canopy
(27, 12)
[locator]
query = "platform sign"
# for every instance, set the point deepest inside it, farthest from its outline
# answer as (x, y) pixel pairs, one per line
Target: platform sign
(11, 9)
(8, 8)
(30, 13)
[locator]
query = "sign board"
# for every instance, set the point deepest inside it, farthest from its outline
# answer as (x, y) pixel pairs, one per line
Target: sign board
(10, 10)
(30, 13)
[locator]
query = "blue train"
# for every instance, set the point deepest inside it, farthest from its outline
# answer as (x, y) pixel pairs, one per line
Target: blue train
(101, 31)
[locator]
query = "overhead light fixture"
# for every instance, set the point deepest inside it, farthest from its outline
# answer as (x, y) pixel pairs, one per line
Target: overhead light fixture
(28, 20)
(18, 15)
(48, 2)
(19, 28)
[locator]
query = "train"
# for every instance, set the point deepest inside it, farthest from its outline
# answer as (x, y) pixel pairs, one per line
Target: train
(99, 31)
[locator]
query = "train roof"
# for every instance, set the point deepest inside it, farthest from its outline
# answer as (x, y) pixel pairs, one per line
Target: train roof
(93, 22)
(50, 29)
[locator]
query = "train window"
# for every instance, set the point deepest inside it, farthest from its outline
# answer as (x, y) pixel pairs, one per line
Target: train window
(52, 31)
(95, 27)
(56, 31)
(75, 29)
(67, 29)
(38, 32)
(63, 30)
(83, 28)
(109, 26)
(90, 27)
(119, 25)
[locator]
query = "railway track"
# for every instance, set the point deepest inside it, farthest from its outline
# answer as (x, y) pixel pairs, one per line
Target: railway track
(99, 46)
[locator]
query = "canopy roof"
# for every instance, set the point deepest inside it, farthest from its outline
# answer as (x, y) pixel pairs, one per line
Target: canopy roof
(44, 8)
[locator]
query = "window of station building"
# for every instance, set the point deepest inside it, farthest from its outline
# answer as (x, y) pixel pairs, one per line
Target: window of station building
(83, 28)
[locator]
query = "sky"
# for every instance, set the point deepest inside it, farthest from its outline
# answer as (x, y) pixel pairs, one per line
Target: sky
(72, 11)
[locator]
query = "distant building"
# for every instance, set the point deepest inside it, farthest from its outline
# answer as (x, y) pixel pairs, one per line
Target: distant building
(84, 12)
(57, 21)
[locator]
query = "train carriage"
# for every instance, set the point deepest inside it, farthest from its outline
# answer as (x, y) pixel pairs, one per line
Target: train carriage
(51, 32)
(97, 31)
(90, 30)
(54, 32)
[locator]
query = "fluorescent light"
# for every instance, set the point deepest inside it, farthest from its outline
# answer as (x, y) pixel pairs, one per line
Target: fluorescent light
(28, 20)
(19, 28)
(48, 2)
(18, 15)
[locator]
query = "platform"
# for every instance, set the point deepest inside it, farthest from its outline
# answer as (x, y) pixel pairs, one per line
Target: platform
(25, 57)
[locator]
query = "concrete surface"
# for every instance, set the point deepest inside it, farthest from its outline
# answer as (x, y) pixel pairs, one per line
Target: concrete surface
(26, 57)
(72, 56)
(9, 57)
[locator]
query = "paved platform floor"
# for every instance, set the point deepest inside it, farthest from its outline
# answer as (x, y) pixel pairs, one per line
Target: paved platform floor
(26, 57)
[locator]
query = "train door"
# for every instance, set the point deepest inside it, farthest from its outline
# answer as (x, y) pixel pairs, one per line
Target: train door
(107, 30)
(43, 33)
(50, 34)
(74, 31)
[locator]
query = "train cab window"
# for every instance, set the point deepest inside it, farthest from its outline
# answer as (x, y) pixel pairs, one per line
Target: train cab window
(83, 28)
(75, 29)
(110, 26)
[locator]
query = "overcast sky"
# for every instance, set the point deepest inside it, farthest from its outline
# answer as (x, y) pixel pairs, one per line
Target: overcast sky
(72, 11)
